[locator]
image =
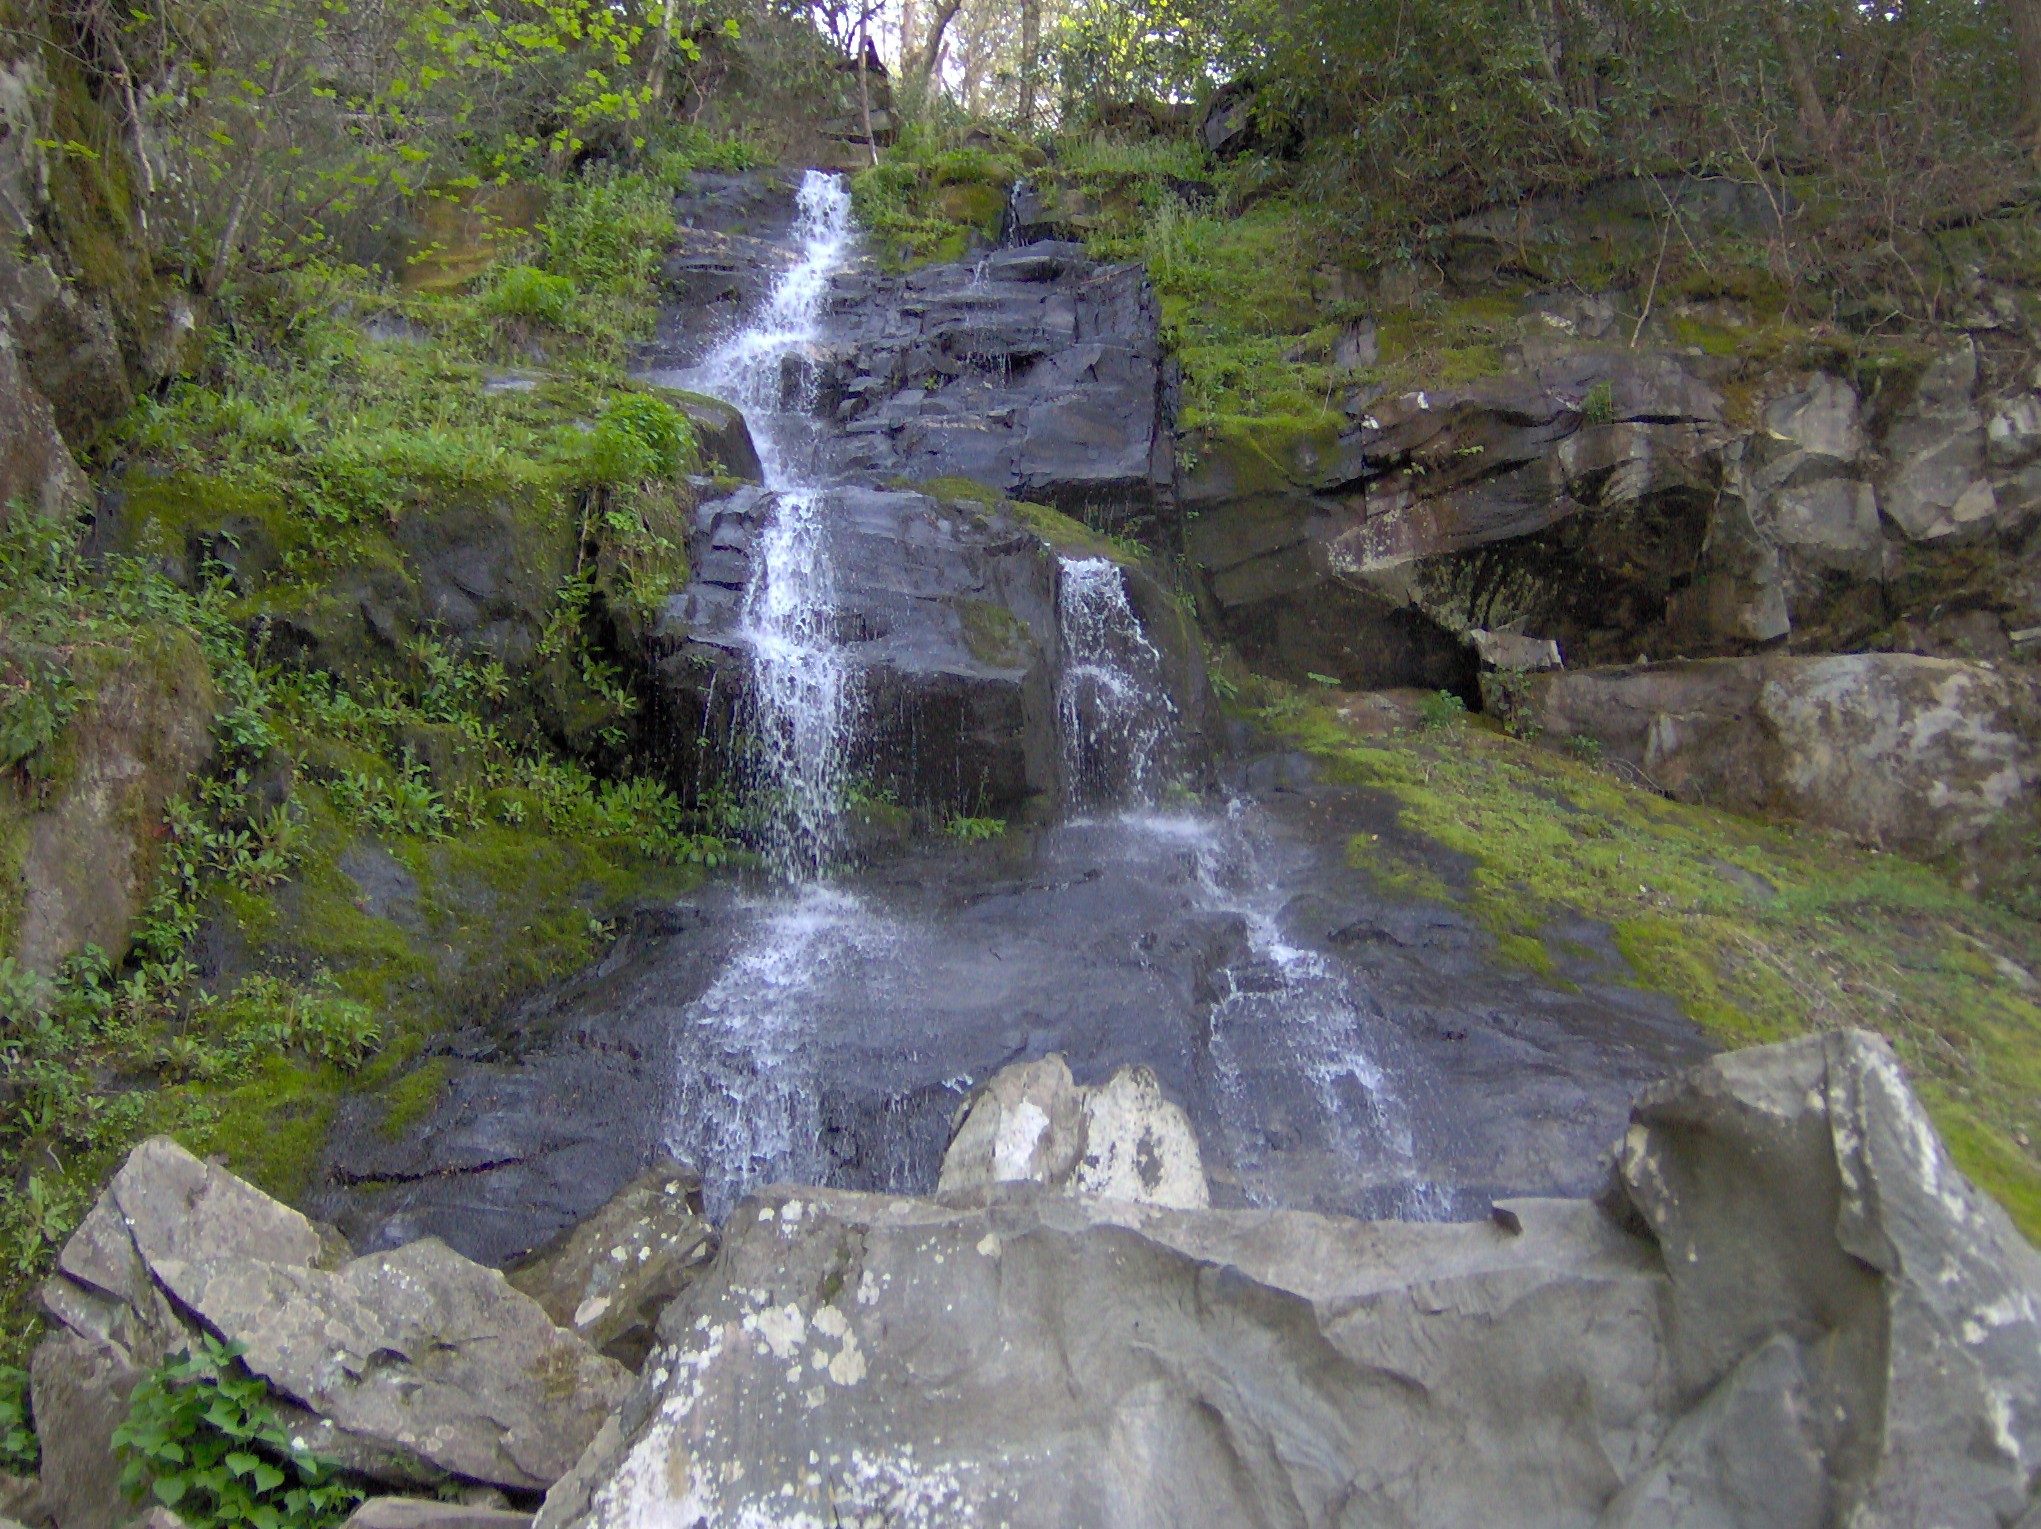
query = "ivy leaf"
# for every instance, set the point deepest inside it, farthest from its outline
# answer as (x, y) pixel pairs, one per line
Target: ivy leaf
(169, 1490)
(267, 1477)
(240, 1462)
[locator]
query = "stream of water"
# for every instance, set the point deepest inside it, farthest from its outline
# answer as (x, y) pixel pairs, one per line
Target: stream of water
(801, 698)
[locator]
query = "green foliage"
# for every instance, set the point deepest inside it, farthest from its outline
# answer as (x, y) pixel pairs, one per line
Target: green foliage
(525, 292)
(640, 437)
(932, 196)
(20, 1455)
(1441, 712)
(203, 1438)
(968, 830)
(1598, 407)
(605, 230)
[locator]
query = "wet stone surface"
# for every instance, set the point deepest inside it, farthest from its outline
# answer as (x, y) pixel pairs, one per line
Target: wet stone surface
(1337, 1049)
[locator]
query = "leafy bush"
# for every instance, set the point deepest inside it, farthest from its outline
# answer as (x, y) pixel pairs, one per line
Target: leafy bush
(203, 1438)
(640, 437)
(605, 232)
(525, 292)
(1441, 711)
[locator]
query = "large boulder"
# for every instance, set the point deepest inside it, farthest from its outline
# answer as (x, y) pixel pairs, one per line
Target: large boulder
(1936, 489)
(79, 851)
(1928, 755)
(1031, 1123)
(1567, 497)
(395, 1364)
(1051, 1361)
(1788, 1312)
(1865, 1325)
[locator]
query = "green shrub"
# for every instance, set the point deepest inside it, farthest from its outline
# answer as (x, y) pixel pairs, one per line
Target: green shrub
(203, 1438)
(640, 437)
(1441, 712)
(525, 292)
(1599, 406)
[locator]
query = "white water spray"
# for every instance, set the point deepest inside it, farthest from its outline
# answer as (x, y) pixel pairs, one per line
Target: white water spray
(1118, 723)
(801, 696)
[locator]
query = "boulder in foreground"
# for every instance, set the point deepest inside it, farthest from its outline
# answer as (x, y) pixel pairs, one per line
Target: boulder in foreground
(1790, 1312)
(406, 1366)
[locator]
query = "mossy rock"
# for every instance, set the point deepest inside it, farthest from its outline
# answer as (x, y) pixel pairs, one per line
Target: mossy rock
(1759, 931)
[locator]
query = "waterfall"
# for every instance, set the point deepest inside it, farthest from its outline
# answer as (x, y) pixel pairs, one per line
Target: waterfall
(1118, 724)
(801, 697)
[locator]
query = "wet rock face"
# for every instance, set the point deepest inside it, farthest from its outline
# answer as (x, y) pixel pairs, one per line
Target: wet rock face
(1927, 755)
(1792, 1312)
(1036, 373)
(948, 616)
(729, 249)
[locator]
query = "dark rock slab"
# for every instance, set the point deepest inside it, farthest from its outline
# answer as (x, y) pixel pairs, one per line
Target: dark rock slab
(1035, 372)
(542, 1118)
(948, 613)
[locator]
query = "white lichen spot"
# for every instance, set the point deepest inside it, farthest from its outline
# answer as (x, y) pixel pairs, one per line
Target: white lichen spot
(783, 1328)
(989, 1244)
(848, 1367)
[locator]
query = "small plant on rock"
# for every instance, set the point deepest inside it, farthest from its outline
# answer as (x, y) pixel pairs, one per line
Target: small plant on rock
(19, 1454)
(203, 1437)
(1441, 712)
(975, 830)
(525, 292)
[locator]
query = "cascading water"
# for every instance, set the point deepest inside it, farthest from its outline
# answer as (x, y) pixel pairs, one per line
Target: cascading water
(744, 1107)
(1119, 726)
(1282, 1003)
(801, 695)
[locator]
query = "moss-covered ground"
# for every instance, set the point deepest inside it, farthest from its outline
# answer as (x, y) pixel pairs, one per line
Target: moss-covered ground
(1760, 931)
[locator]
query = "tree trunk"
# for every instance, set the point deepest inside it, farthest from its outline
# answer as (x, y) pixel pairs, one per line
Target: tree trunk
(1814, 124)
(1031, 48)
(922, 66)
(865, 78)
(2026, 15)
(662, 47)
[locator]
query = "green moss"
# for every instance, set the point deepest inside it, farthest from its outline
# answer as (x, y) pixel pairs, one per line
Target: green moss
(1064, 534)
(270, 1128)
(411, 1098)
(993, 633)
(1759, 931)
